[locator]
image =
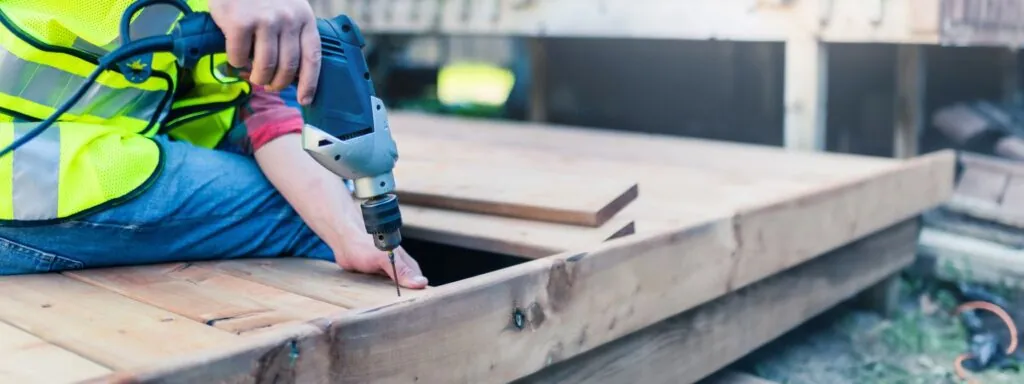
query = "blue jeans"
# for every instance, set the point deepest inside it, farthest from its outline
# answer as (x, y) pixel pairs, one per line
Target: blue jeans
(205, 205)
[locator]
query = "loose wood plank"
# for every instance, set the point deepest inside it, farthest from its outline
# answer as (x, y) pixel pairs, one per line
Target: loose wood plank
(26, 359)
(982, 184)
(991, 164)
(101, 325)
(945, 220)
(984, 210)
(514, 237)
(518, 192)
(1013, 198)
(223, 301)
(954, 257)
(695, 344)
(318, 279)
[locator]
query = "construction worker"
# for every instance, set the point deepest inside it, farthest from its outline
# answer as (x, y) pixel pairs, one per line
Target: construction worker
(222, 175)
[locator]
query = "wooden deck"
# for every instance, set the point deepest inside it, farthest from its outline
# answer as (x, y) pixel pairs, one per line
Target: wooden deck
(709, 220)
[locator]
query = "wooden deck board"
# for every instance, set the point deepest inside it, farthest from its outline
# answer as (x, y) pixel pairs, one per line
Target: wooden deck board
(101, 325)
(711, 219)
(210, 297)
(506, 324)
(320, 280)
(26, 359)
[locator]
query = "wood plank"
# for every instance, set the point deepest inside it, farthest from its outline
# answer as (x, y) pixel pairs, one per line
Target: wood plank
(517, 192)
(991, 163)
(204, 295)
(28, 359)
(514, 237)
(317, 279)
(690, 346)
(805, 93)
(515, 321)
(101, 325)
(946, 220)
(909, 103)
(982, 184)
(984, 210)
(954, 257)
(1013, 198)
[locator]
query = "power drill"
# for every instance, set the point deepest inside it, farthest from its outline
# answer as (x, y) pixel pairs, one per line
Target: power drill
(346, 126)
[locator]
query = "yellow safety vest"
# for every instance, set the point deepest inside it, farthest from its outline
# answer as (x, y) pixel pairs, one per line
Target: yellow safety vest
(101, 152)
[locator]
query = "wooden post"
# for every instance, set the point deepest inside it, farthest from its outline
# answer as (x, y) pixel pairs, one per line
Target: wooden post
(537, 109)
(806, 93)
(909, 106)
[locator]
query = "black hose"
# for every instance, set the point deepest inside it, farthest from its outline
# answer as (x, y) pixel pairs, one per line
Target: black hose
(146, 45)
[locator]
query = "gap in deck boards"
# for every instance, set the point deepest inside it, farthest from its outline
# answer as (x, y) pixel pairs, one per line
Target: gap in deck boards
(443, 264)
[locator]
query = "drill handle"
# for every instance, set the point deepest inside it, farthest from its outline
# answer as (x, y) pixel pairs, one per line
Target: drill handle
(196, 36)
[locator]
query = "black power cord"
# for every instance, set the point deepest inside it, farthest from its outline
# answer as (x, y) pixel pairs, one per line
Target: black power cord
(127, 50)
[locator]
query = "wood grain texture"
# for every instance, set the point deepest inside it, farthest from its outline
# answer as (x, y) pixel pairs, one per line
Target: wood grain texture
(517, 192)
(857, 208)
(210, 297)
(25, 358)
(513, 322)
(317, 279)
(101, 325)
(688, 347)
(510, 236)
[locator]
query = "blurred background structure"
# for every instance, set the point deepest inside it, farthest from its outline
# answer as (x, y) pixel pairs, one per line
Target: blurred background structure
(854, 76)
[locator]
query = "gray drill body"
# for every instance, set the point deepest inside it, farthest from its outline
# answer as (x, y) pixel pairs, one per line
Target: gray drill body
(367, 160)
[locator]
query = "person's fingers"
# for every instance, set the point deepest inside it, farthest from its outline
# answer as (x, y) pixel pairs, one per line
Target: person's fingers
(289, 56)
(264, 63)
(309, 68)
(409, 274)
(238, 38)
(409, 259)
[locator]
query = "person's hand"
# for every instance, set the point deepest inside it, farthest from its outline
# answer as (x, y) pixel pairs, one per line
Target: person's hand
(362, 256)
(277, 39)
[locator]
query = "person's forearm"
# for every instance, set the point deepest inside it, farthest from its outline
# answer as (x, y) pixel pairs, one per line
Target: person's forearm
(319, 196)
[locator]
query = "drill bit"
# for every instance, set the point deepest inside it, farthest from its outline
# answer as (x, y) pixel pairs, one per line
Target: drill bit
(394, 272)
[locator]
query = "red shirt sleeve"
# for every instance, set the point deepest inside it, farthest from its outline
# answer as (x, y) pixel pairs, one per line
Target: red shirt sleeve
(269, 115)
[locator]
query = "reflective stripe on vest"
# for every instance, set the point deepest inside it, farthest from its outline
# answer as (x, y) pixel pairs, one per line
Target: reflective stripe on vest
(34, 174)
(50, 87)
(152, 20)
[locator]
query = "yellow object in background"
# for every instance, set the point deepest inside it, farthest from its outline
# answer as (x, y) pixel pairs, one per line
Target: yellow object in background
(474, 83)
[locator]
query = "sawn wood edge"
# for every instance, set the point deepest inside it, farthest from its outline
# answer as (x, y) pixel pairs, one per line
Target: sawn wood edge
(513, 322)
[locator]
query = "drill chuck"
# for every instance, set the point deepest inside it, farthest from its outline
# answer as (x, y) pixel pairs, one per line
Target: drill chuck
(383, 221)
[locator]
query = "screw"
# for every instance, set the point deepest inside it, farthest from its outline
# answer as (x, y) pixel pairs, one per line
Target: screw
(519, 318)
